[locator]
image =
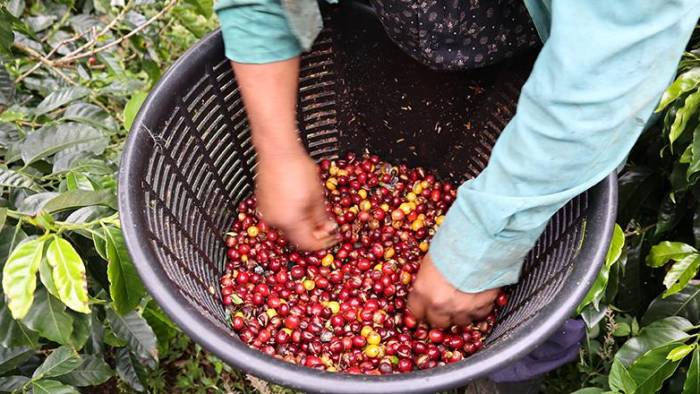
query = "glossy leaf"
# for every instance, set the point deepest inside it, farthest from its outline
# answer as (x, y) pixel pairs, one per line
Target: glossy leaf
(652, 369)
(68, 274)
(49, 386)
(50, 140)
(61, 361)
(3, 217)
(80, 198)
(49, 318)
(92, 372)
(32, 205)
(203, 7)
(46, 276)
(656, 334)
(679, 352)
(684, 83)
(13, 332)
(137, 333)
(692, 380)
(680, 274)
(596, 292)
(620, 379)
(683, 115)
(127, 368)
(12, 357)
(132, 108)
(685, 303)
(13, 383)
(664, 251)
(81, 329)
(14, 179)
(87, 214)
(19, 276)
(60, 98)
(90, 114)
(589, 390)
(124, 283)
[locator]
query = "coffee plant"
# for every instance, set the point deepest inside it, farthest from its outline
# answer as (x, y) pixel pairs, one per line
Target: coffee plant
(74, 315)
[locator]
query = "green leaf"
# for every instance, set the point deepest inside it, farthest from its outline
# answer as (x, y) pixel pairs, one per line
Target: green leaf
(596, 292)
(128, 369)
(49, 318)
(46, 276)
(78, 181)
(81, 329)
(48, 386)
(7, 86)
(14, 179)
(19, 276)
(620, 379)
(3, 217)
(90, 114)
(684, 83)
(138, 335)
(12, 384)
(68, 274)
(124, 283)
(678, 353)
(664, 251)
(203, 7)
(622, 330)
(669, 214)
(93, 372)
(681, 273)
(656, 334)
(683, 114)
(50, 140)
(652, 369)
(132, 108)
(589, 390)
(13, 332)
(87, 214)
(692, 380)
(60, 98)
(694, 163)
(81, 198)
(59, 362)
(32, 205)
(95, 341)
(12, 357)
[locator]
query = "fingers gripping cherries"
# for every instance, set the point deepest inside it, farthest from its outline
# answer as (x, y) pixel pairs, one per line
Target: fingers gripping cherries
(346, 308)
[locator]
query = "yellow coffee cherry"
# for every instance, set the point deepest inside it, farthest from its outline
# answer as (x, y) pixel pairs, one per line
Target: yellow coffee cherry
(253, 231)
(333, 170)
(271, 312)
(366, 330)
(327, 260)
(365, 205)
(389, 253)
(423, 246)
(331, 183)
(334, 306)
(373, 338)
(372, 351)
(309, 284)
(439, 219)
(384, 207)
(417, 224)
(410, 196)
(362, 193)
(405, 208)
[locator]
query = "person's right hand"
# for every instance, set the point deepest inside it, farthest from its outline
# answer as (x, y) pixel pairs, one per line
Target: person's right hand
(290, 198)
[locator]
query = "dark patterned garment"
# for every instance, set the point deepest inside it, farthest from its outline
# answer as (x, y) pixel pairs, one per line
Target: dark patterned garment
(458, 34)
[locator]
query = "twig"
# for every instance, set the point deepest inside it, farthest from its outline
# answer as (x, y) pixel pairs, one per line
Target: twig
(43, 60)
(70, 59)
(107, 28)
(46, 58)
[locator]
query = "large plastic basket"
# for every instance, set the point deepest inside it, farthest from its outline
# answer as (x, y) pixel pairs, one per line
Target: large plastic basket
(189, 160)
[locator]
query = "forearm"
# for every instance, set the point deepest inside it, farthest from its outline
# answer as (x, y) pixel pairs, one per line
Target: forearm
(270, 94)
(593, 87)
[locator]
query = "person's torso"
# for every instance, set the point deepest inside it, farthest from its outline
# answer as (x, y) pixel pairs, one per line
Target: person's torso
(458, 34)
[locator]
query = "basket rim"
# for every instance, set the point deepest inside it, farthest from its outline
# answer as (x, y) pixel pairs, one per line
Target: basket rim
(602, 205)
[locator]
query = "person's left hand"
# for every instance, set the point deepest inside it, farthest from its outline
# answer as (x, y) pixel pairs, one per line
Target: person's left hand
(436, 301)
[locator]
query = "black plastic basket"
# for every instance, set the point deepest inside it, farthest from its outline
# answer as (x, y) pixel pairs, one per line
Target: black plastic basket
(189, 160)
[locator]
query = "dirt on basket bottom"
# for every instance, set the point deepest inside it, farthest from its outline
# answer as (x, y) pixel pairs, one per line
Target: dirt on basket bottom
(344, 309)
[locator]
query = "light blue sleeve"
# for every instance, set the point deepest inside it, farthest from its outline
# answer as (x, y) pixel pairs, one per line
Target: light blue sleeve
(256, 31)
(595, 83)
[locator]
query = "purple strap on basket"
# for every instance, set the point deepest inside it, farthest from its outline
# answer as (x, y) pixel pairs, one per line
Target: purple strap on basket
(561, 348)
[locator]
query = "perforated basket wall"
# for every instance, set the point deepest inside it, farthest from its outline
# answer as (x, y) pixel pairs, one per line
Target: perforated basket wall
(189, 160)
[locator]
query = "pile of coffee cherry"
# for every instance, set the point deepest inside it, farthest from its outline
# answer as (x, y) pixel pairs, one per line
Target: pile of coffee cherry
(344, 309)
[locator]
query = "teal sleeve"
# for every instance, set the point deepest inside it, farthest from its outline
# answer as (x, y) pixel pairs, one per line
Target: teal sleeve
(256, 31)
(600, 73)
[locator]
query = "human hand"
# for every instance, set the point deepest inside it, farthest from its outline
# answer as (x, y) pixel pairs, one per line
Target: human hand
(290, 197)
(436, 301)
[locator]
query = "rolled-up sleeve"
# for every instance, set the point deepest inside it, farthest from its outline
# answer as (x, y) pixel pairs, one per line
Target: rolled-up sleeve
(600, 73)
(256, 31)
